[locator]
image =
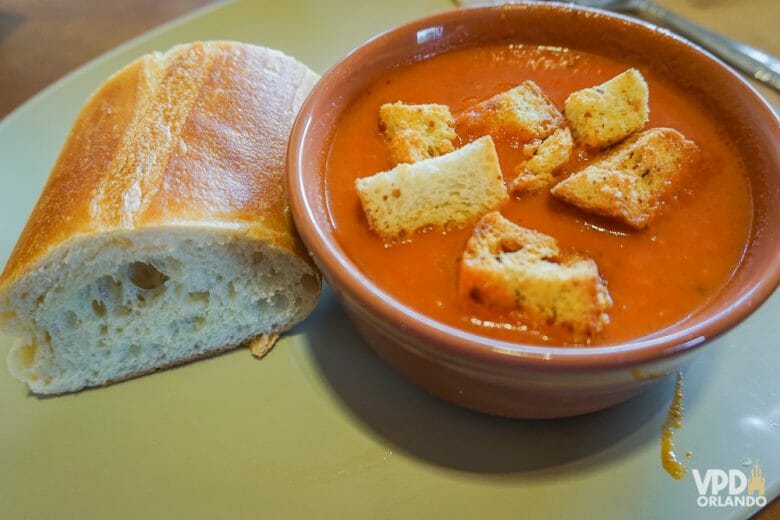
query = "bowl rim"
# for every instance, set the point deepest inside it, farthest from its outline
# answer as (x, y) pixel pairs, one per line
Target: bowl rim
(456, 343)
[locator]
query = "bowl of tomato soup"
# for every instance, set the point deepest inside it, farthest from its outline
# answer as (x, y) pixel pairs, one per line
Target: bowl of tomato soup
(707, 259)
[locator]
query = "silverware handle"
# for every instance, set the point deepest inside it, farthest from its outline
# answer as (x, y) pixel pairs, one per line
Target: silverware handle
(756, 63)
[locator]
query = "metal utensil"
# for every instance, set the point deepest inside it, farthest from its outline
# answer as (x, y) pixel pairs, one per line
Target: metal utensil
(754, 62)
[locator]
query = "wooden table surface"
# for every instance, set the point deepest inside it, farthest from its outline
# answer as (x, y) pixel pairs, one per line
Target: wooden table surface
(41, 40)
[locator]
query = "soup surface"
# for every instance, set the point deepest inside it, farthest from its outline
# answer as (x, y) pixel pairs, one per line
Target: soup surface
(656, 277)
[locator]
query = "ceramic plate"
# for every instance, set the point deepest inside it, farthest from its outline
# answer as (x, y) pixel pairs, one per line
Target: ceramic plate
(321, 427)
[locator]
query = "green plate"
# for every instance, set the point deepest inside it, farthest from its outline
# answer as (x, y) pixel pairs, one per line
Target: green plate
(322, 428)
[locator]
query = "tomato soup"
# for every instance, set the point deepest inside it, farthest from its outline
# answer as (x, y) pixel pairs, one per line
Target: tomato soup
(656, 277)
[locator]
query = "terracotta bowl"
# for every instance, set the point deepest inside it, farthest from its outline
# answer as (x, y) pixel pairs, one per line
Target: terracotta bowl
(512, 379)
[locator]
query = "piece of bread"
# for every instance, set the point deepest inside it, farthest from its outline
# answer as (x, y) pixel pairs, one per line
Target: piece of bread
(605, 114)
(416, 132)
(630, 182)
(451, 189)
(163, 233)
(545, 159)
(511, 267)
(523, 113)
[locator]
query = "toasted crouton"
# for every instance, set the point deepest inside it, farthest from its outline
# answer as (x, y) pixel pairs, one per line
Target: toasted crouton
(523, 113)
(630, 182)
(416, 132)
(451, 189)
(605, 114)
(511, 267)
(546, 157)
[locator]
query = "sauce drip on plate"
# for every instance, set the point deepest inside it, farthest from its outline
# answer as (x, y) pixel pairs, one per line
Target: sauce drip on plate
(669, 459)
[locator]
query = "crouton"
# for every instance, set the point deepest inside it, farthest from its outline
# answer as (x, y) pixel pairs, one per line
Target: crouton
(510, 267)
(451, 189)
(546, 157)
(630, 182)
(605, 114)
(523, 113)
(416, 132)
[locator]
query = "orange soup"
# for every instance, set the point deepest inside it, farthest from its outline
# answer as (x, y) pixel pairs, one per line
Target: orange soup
(656, 277)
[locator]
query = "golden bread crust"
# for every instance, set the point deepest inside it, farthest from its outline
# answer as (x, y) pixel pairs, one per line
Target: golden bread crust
(195, 136)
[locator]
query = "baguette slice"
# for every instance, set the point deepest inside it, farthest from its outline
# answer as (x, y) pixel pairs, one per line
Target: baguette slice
(163, 233)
